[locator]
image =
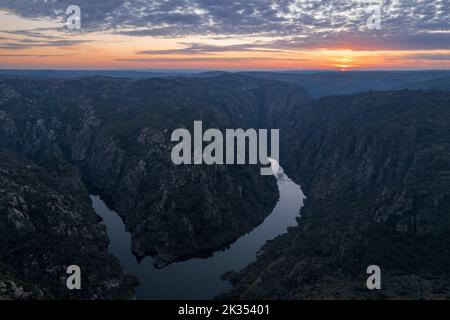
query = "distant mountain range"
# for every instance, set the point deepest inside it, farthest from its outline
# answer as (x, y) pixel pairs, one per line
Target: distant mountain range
(339, 83)
(433, 84)
(318, 83)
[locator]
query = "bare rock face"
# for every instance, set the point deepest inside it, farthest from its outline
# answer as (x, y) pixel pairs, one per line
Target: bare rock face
(47, 224)
(375, 170)
(117, 132)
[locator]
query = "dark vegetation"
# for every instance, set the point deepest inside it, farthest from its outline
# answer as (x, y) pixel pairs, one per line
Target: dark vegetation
(116, 134)
(374, 166)
(47, 224)
(321, 84)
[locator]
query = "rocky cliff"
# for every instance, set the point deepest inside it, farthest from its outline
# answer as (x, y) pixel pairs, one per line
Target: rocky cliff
(117, 132)
(375, 168)
(47, 224)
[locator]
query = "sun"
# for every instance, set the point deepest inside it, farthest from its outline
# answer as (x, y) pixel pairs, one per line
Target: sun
(344, 63)
(344, 59)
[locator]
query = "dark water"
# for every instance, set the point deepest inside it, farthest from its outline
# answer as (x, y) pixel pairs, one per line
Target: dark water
(200, 278)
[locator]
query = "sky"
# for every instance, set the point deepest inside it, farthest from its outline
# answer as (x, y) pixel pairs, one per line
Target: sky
(226, 34)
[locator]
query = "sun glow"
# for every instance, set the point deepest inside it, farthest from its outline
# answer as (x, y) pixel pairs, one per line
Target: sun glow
(106, 50)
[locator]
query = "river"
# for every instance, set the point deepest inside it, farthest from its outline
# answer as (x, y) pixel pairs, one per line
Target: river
(200, 278)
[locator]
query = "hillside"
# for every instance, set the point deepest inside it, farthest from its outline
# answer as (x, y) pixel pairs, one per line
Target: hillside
(322, 84)
(434, 84)
(47, 224)
(117, 132)
(375, 168)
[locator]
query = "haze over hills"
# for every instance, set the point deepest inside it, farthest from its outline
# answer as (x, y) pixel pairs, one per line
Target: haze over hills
(433, 84)
(338, 83)
(318, 83)
(64, 74)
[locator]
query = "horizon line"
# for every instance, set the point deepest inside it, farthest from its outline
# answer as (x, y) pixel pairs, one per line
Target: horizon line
(223, 70)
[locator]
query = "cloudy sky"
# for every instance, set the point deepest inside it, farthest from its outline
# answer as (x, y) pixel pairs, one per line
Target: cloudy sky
(226, 34)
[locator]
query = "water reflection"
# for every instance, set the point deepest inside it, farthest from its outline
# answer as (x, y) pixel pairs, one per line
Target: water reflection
(200, 278)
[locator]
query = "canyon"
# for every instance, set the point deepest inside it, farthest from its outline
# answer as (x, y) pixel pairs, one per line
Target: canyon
(374, 167)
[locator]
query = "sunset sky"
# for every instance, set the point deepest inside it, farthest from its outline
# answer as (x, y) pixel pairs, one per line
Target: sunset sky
(225, 34)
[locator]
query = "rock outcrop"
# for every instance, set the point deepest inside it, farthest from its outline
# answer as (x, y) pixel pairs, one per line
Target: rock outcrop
(117, 132)
(47, 224)
(375, 170)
